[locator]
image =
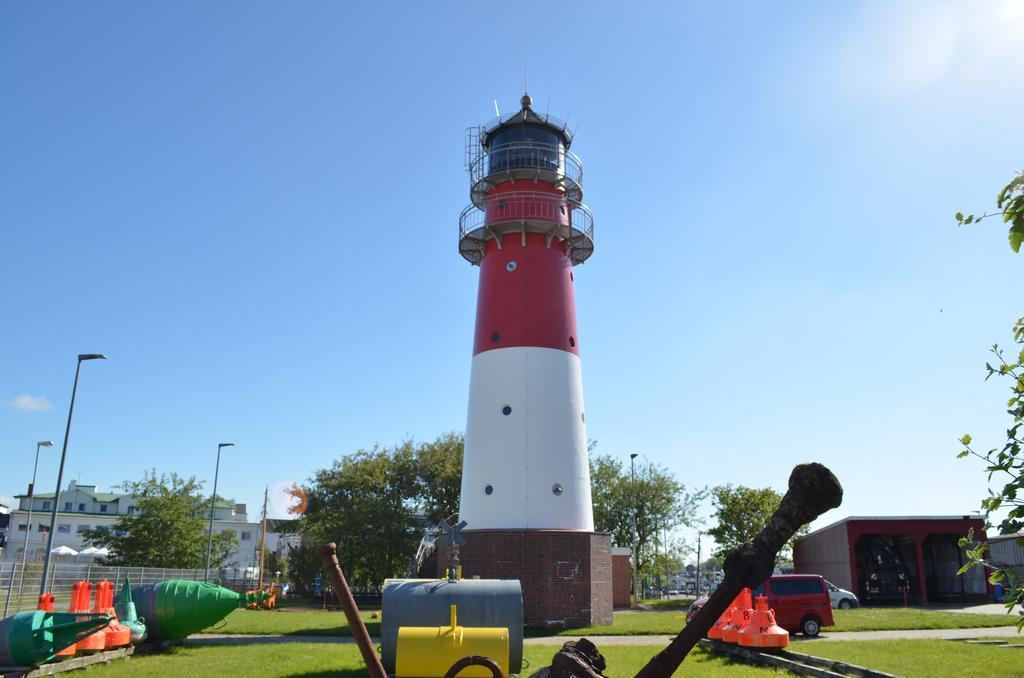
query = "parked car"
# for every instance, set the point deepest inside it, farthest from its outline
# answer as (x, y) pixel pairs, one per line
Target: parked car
(801, 602)
(695, 608)
(841, 598)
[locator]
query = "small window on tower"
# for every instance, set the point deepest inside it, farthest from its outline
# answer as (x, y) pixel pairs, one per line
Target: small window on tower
(557, 490)
(488, 490)
(495, 337)
(511, 266)
(572, 341)
(507, 410)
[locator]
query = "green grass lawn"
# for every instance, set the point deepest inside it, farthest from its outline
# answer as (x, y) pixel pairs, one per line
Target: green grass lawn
(925, 658)
(314, 660)
(635, 623)
(907, 658)
(293, 623)
(673, 604)
(899, 618)
(626, 623)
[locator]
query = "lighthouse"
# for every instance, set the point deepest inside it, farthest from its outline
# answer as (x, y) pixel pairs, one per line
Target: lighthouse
(525, 479)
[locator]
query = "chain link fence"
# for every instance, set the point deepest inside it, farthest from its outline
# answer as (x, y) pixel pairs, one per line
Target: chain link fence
(19, 589)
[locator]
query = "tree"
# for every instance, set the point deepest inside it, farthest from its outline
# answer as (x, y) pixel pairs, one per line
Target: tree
(167, 530)
(274, 563)
(439, 474)
(740, 513)
(1006, 462)
(660, 501)
(1010, 203)
(375, 504)
(303, 567)
(366, 504)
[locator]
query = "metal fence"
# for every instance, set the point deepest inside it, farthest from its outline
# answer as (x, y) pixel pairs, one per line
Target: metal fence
(19, 589)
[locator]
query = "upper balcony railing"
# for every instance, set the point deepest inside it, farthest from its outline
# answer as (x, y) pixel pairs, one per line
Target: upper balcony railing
(515, 212)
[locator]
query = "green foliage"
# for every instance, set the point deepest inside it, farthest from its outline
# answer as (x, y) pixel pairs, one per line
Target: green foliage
(375, 504)
(439, 465)
(740, 513)
(1006, 463)
(168, 529)
(661, 502)
(303, 567)
(273, 563)
(1010, 203)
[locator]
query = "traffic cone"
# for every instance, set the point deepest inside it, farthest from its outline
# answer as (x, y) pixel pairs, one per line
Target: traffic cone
(762, 631)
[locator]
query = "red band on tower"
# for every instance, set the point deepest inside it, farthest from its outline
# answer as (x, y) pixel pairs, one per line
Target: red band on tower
(526, 296)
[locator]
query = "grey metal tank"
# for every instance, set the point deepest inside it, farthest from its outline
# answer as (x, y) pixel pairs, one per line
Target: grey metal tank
(427, 602)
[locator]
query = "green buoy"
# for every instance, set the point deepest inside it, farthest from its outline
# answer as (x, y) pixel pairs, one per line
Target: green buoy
(127, 615)
(177, 608)
(34, 637)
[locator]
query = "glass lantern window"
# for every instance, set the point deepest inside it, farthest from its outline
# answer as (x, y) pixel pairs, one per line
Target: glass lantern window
(525, 147)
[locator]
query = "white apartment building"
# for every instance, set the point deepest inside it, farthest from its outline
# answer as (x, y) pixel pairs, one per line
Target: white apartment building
(82, 507)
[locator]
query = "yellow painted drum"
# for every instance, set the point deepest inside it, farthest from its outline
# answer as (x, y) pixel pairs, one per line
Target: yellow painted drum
(429, 651)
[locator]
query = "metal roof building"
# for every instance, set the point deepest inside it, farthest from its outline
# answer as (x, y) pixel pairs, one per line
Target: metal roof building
(889, 559)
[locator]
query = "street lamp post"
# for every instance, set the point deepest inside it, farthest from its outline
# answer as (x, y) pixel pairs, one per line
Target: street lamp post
(697, 583)
(636, 554)
(60, 471)
(213, 505)
(28, 529)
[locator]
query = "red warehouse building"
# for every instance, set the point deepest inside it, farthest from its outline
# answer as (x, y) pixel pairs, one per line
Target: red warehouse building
(881, 559)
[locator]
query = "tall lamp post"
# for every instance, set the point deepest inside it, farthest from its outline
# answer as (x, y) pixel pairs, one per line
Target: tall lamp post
(60, 472)
(697, 583)
(636, 555)
(213, 505)
(28, 529)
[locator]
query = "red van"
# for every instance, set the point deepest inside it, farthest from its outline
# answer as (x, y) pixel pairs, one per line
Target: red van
(800, 601)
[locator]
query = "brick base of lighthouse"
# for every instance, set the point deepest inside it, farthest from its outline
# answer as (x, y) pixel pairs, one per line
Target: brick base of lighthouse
(566, 575)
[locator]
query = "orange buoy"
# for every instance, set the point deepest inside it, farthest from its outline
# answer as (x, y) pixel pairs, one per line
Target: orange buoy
(715, 632)
(762, 631)
(116, 634)
(75, 606)
(96, 641)
(740, 618)
(742, 601)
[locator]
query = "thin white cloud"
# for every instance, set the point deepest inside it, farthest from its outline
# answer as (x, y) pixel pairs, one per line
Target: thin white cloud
(901, 50)
(30, 403)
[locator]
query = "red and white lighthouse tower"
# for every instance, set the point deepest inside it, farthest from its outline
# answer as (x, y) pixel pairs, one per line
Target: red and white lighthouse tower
(526, 479)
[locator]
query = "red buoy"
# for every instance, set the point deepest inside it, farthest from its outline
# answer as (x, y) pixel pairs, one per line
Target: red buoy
(762, 631)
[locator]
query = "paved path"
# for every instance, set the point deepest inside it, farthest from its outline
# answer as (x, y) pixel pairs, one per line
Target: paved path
(984, 608)
(661, 641)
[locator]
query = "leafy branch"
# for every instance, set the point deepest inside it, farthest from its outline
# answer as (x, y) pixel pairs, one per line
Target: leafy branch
(1010, 205)
(1006, 461)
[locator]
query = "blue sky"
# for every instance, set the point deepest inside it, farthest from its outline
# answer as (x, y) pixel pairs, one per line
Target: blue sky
(252, 208)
